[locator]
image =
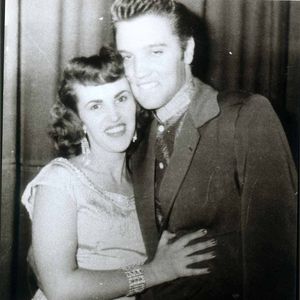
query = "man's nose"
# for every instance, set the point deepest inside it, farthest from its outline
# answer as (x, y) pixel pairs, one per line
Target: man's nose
(140, 67)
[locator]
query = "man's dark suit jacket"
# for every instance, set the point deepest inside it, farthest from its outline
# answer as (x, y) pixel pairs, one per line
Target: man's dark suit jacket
(231, 173)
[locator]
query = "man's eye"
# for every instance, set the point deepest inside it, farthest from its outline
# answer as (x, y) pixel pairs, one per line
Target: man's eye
(157, 52)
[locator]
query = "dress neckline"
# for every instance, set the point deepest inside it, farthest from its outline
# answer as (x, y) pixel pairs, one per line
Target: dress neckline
(90, 183)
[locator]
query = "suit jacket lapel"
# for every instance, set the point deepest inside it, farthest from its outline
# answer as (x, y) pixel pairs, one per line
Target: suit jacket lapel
(143, 168)
(184, 149)
(203, 107)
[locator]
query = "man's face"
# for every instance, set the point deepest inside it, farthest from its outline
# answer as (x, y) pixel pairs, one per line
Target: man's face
(153, 59)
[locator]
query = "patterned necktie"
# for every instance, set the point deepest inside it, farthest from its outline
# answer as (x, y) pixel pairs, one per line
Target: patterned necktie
(163, 151)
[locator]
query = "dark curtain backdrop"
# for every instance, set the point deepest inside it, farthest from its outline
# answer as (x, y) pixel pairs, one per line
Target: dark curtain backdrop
(252, 44)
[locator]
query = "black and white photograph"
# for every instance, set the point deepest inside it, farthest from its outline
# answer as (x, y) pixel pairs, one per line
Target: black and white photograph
(150, 149)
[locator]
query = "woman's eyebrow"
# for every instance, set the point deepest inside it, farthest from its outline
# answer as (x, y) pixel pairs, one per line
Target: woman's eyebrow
(123, 51)
(120, 93)
(94, 101)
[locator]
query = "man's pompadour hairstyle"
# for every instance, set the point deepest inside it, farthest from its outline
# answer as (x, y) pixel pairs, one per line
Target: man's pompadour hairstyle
(177, 13)
(126, 9)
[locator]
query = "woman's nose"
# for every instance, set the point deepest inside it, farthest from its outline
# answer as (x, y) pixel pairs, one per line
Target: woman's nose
(114, 114)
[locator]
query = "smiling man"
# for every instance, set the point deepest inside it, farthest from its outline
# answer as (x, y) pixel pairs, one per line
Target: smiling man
(153, 59)
(210, 160)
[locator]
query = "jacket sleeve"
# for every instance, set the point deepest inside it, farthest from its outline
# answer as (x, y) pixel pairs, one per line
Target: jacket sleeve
(268, 183)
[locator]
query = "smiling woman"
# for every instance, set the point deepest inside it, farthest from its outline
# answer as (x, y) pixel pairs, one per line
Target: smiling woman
(90, 101)
(86, 239)
(108, 114)
(252, 45)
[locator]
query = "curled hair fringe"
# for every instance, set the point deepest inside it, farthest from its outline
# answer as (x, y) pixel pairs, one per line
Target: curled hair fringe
(58, 110)
(66, 130)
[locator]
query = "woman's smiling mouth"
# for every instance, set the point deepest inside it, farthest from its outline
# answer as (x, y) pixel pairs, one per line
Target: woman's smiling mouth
(116, 130)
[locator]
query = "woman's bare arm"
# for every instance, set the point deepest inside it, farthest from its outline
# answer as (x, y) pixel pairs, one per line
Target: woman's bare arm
(54, 230)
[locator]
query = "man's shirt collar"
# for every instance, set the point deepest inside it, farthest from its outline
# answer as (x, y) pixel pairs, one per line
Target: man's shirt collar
(196, 97)
(175, 108)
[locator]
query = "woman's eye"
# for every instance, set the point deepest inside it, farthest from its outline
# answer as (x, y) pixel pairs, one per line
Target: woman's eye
(95, 107)
(122, 98)
(127, 57)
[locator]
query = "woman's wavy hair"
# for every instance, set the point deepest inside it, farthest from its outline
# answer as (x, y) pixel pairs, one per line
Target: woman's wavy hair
(66, 128)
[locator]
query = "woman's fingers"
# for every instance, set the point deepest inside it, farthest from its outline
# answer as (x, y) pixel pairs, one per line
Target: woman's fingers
(195, 272)
(183, 262)
(165, 237)
(188, 250)
(184, 240)
(200, 257)
(182, 266)
(176, 257)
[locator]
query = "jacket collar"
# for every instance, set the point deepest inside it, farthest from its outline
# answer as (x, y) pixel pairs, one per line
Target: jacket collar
(204, 105)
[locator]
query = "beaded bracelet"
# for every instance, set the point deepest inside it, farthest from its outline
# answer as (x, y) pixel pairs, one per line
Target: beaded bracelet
(136, 279)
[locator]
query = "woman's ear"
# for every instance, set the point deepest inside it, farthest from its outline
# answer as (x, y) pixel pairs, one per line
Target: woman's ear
(189, 51)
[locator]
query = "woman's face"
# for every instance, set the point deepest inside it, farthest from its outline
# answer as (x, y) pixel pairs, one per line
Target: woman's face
(108, 113)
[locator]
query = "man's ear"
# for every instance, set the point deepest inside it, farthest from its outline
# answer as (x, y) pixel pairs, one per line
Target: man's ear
(189, 51)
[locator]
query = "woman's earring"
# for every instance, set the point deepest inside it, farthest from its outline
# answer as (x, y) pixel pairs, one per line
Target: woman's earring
(85, 147)
(134, 138)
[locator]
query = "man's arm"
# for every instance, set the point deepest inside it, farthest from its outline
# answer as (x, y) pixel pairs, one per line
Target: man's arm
(269, 203)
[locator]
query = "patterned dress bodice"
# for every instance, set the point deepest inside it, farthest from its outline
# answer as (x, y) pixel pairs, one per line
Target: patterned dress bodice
(109, 235)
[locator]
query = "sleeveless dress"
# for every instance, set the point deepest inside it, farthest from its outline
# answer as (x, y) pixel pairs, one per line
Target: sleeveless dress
(109, 235)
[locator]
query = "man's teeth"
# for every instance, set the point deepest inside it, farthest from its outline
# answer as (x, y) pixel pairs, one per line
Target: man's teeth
(149, 85)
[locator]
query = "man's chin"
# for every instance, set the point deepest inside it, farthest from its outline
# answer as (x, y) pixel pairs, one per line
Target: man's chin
(148, 103)
(148, 107)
